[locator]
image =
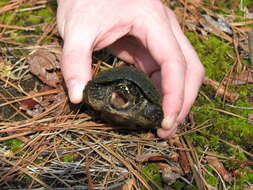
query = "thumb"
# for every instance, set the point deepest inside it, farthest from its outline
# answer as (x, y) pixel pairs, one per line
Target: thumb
(76, 67)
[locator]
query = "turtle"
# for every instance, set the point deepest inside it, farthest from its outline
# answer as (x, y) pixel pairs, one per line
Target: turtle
(126, 96)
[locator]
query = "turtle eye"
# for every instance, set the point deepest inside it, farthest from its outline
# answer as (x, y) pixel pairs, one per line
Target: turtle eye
(119, 100)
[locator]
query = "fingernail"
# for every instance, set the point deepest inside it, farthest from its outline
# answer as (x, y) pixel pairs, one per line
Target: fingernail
(75, 90)
(168, 122)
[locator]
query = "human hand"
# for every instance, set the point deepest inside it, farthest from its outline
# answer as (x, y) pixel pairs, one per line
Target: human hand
(141, 32)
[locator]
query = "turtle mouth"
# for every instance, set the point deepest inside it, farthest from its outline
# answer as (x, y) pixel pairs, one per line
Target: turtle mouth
(119, 100)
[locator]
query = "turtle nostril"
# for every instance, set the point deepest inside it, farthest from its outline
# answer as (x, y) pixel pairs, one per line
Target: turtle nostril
(119, 100)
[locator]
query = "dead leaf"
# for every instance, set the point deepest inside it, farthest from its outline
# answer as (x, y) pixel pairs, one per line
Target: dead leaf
(183, 159)
(157, 157)
(33, 108)
(219, 167)
(242, 78)
(179, 12)
(250, 99)
(220, 24)
(37, 110)
(175, 167)
(148, 135)
(128, 185)
(61, 99)
(27, 104)
(45, 65)
(169, 177)
(8, 154)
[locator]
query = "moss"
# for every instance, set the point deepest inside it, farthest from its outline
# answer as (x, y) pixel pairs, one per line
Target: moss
(239, 155)
(21, 39)
(232, 129)
(38, 29)
(14, 144)
(25, 179)
(68, 158)
(47, 14)
(213, 53)
(33, 19)
(244, 176)
(7, 17)
(48, 40)
(151, 174)
(28, 18)
(234, 7)
(3, 2)
(191, 187)
(230, 4)
(178, 185)
(210, 177)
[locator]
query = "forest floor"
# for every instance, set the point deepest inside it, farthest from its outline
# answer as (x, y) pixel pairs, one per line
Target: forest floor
(46, 142)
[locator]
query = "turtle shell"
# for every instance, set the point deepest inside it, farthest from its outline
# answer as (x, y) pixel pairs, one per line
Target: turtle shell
(133, 75)
(125, 96)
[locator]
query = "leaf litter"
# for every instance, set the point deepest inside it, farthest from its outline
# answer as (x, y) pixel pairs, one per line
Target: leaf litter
(58, 146)
(45, 66)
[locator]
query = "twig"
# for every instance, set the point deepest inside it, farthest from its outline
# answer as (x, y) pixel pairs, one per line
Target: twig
(250, 41)
(31, 8)
(14, 136)
(16, 27)
(54, 91)
(26, 172)
(221, 90)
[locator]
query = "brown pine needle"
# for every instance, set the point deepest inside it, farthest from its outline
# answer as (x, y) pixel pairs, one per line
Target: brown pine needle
(16, 27)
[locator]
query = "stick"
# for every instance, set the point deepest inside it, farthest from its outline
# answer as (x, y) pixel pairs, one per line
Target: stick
(250, 38)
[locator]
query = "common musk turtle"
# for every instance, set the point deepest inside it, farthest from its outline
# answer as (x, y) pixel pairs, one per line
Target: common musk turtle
(125, 95)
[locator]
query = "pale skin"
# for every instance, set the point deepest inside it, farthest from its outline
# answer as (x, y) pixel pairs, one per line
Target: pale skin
(141, 32)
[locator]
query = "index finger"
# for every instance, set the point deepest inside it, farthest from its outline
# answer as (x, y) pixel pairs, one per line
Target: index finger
(76, 61)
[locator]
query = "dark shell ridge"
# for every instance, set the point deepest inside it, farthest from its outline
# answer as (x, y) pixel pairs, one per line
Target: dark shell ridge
(133, 75)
